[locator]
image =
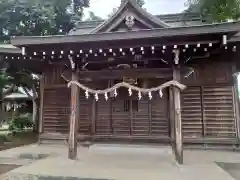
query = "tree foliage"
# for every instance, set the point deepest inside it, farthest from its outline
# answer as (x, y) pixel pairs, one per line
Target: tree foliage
(38, 17)
(141, 3)
(33, 18)
(216, 10)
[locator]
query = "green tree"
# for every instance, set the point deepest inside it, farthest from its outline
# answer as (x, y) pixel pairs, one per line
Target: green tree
(33, 18)
(29, 83)
(141, 2)
(216, 10)
(38, 17)
(6, 87)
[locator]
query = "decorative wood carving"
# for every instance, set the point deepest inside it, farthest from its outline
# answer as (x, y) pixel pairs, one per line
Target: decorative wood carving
(130, 21)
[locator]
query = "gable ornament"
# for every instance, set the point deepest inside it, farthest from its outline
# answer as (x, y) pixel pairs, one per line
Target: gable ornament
(129, 21)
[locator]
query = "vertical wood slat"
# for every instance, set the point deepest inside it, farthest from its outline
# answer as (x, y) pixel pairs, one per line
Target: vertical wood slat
(73, 131)
(204, 130)
(85, 114)
(159, 120)
(150, 117)
(140, 125)
(93, 118)
(131, 123)
(110, 116)
(121, 115)
(103, 122)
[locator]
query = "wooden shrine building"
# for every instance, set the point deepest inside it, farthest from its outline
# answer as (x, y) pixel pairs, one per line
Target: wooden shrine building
(137, 77)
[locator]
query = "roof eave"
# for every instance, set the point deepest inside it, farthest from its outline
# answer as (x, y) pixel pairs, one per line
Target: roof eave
(9, 49)
(222, 28)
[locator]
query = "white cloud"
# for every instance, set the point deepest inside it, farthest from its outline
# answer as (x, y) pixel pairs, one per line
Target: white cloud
(104, 7)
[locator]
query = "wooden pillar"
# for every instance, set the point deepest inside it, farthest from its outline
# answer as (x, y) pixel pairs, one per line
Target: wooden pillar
(40, 128)
(72, 141)
(236, 105)
(178, 144)
(236, 102)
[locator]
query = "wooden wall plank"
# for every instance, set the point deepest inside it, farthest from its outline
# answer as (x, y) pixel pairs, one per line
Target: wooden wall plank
(159, 121)
(192, 122)
(219, 111)
(85, 110)
(56, 107)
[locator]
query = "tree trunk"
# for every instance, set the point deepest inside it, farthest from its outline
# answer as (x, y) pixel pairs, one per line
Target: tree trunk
(34, 114)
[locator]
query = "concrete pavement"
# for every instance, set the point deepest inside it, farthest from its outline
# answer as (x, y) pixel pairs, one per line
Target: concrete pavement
(119, 162)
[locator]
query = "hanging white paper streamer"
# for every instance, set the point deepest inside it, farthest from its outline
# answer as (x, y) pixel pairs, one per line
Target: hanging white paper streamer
(115, 93)
(160, 93)
(96, 97)
(23, 51)
(130, 91)
(150, 95)
(86, 94)
(139, 95)
(106, 96)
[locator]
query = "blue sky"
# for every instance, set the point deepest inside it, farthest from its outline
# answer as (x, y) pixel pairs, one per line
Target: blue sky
(103, 7)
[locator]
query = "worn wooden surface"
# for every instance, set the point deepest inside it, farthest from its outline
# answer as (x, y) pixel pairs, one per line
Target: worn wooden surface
(171, 114)
(73, 129)
(178, 145)
(207, 107)
(41, 106)
(236, 104)
(56, 110)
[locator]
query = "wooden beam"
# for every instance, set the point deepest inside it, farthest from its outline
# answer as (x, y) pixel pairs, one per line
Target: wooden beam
(54, 86)
(140, 73)
(150, 117)
(177, 118)
(72, 151)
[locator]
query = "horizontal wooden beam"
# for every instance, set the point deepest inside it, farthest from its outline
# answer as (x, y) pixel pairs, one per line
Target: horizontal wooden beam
(187, 141)
(54, 86)
(134, 73)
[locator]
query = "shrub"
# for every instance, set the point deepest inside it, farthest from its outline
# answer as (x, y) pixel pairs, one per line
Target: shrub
(19, 123)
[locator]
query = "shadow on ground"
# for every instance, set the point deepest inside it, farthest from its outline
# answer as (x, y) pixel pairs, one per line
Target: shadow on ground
(232, 169)
(4, 168)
